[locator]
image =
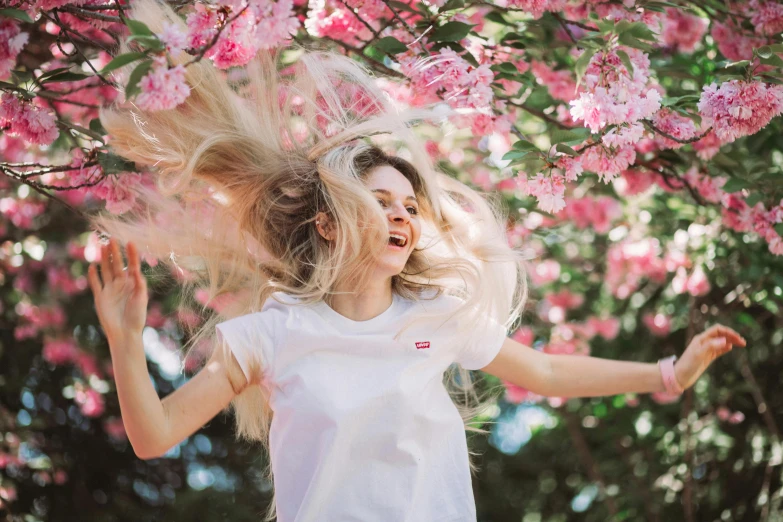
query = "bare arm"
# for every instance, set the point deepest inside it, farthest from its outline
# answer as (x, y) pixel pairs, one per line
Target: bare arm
(581, 376)
(155, 426)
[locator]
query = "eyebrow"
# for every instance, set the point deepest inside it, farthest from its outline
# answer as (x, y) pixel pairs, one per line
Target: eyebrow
(387, 193)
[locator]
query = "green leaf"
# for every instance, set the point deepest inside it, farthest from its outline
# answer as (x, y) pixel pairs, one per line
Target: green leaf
(565, 149)
(151, 42)
(86, 132)
(402, 6)
(772, 59)
(391, 45)
(15, 13)
(113, 164)
(496, 17)
(67, 76)
(505, 67)
(97, 127)
(605, 26)
(764, 51)
(135, 77)
(754, 198)
(120, 60)
(452, 4)
(641, 31)
(631, 41)
(569, 137)
(626, 61)
(514, 155)
(451, 32)
(739, 63)
(735, 185)
(524, 145)
(47, 74)
(582, 63)
(779, 229)
(138, 28)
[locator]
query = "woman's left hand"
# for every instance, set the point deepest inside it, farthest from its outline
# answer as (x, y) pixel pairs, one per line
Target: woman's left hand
(705, 348)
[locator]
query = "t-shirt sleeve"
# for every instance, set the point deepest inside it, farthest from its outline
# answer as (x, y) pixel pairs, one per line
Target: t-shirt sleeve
(251, 338)
(482, 345)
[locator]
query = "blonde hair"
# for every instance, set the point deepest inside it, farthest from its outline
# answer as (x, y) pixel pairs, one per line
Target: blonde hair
(242, 169)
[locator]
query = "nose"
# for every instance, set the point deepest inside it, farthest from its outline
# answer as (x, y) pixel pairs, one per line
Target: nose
(398, 213)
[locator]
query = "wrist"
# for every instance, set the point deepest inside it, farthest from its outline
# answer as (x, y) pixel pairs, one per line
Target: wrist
(671, 385)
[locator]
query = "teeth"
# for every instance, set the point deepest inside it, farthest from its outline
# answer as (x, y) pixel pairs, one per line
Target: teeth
(402, 239)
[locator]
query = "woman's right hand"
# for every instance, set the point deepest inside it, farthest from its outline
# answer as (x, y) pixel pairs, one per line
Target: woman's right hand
(121, 297)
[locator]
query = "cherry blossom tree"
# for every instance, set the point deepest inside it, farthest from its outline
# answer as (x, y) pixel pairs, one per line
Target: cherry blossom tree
(636, 145)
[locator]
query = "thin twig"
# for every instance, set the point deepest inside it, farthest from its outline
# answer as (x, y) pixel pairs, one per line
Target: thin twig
(215, 38)
(655, 129)
(76, 11)
(398, 17)
(565, 27)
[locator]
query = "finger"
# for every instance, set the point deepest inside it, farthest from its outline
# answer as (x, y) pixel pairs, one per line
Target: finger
(134, 264)
(116, 259)
(720, 345)
(728, 333)
(105, 267)
(92, 277)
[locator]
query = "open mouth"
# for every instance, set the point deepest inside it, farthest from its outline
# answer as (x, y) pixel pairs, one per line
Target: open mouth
(397, 240)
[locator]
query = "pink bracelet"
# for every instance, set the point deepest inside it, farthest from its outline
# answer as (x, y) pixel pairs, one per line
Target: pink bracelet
(669, 379)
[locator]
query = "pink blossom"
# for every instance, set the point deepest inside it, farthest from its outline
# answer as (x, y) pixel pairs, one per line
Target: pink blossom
(118, 191)
(766, 17)
(630, 262)
(569, 166)
(87, 363)
(598, 212)
(707, 147)
(201, 26)
(524, 335)
(608, 163)
(90, 402)
(276, 22)
(566, 299)
(698, 284)
(517, 394)
(545, 272)
(59, 351)
(682, 30)
(732, 41)
(709, 187)
(537, 7)
(11, 42)
(737, 108)
(21, 212)
(659, 324)
(27, 120)
(163, 88)
(623, 135)
(608, 327)
(548, 190)
(635, 181)
(173, 38)
(673, 124)
(331, 18)
(561, 84)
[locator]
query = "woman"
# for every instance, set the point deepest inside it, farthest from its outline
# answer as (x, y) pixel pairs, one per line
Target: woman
(357, 281)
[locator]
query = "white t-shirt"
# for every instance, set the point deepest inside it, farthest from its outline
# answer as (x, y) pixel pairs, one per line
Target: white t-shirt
(363, 428)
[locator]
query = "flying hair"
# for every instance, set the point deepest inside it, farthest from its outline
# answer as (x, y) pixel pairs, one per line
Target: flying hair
(241, 169)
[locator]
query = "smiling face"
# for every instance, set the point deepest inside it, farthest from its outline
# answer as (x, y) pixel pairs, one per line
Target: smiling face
(396, 196)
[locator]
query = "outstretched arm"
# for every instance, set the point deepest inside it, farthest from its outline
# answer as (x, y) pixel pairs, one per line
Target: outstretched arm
(581, 376)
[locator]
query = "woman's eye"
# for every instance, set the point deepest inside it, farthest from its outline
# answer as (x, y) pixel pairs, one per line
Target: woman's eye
(413, 210)
(382, 202)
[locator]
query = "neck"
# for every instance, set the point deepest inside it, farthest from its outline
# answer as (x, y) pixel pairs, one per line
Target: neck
(362, 305)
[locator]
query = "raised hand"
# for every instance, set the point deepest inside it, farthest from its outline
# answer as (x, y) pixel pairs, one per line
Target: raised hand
(703, 349)
(121, 298)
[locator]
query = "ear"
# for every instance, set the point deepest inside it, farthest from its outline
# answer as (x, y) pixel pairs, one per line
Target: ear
(324, 226)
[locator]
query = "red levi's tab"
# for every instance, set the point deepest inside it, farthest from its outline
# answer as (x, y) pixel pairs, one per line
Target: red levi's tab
(422, 345)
